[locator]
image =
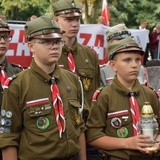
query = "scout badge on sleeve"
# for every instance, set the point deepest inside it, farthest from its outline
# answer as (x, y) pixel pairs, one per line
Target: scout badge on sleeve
(96, 93)
(5, 121)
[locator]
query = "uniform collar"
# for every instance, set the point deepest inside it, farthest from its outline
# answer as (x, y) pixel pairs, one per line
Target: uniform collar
(73, 49)
(5, 63)
(123, 90)
(43, 75)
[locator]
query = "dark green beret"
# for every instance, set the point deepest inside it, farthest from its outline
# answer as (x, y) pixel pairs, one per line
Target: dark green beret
(124, 45)
(4, 26)
(67, 8)
(43, 28)
(119, 31)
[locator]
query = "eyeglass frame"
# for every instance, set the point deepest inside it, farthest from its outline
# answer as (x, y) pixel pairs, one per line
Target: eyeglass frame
(5, 37)
(49, 43)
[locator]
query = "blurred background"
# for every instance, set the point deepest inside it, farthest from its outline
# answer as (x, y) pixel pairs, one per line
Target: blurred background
(129, 12)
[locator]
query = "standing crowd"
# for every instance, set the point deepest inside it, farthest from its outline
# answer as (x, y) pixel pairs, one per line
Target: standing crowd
(59, 109)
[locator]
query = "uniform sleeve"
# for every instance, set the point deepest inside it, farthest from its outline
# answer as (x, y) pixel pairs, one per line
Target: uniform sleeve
(11, 117)
(97, 119)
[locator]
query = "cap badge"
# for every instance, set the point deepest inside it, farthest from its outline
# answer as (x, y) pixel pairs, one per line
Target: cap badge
(52, 21)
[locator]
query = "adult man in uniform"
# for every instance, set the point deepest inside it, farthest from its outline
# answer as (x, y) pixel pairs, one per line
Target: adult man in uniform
(41, 108)
(6, 69)
(78, 58)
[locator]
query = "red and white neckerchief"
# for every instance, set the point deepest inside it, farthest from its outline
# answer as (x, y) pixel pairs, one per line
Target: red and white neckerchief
(71, 63)
(58, 107)
(134, 112)
(3, 76)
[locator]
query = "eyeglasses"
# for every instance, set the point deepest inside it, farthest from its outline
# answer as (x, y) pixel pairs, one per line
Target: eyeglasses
(49, 43)
(6, 38)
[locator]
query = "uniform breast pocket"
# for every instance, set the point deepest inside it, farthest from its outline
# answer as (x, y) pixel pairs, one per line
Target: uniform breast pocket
(74, 111)
(39, 115)
(86, 78)
(119, 124)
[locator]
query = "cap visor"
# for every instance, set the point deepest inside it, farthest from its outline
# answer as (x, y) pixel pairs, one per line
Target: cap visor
(131, 49)
(74, 14)
(48, 36)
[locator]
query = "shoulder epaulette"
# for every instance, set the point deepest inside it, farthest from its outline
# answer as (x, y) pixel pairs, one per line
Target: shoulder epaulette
(17, 65)
(8, 81)
(92, 48)
(158, 96)
(96, 94)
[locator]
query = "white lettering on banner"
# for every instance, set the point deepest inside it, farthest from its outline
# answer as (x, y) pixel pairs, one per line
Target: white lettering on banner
(93, 35)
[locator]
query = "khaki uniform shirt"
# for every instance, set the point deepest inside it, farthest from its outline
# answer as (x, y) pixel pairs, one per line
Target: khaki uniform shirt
(113, 100)
(10, 69)
(87, 67)
(34, 129)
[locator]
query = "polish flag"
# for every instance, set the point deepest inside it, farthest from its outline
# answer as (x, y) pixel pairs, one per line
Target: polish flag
(105, 12)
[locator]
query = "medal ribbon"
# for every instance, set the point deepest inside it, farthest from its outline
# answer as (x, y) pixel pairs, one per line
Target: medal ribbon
(134, 112)
(3, 76)
(58, 107)
(71, 63)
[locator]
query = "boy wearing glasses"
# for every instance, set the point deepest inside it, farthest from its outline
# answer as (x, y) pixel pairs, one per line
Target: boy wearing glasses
(42, 104)
(6, 69)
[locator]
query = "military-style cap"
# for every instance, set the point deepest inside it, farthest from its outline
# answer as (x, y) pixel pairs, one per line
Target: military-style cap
(124, 45)
(67, 8)
(42, 28)
(117, 32)
(4, 26)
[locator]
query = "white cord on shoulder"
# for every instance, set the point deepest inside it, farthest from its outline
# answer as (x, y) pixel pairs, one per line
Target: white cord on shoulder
(82, 94)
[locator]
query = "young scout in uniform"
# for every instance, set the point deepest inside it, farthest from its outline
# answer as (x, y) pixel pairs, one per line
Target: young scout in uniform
(110, 124)
(80, 59)
(6, 69)
(116, 33)
(41, 116)
(85, 61)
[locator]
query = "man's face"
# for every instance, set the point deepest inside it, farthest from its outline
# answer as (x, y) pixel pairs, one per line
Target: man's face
(70, 25)
(144, 24)
(3, 43)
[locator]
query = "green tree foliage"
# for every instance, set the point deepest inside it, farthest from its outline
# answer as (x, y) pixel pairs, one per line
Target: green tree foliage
(129, 12)
(23, 9)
